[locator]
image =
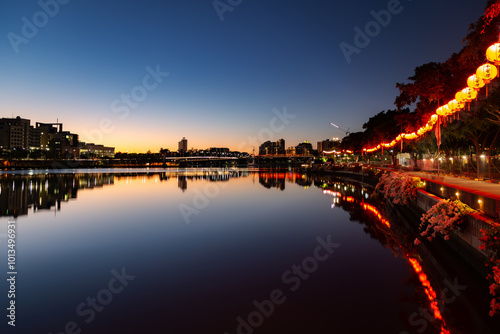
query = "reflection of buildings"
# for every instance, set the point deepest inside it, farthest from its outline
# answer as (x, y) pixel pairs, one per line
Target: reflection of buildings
(277, 179)
(216, 175)
(271, 180)
(19, 193)
(182, 183)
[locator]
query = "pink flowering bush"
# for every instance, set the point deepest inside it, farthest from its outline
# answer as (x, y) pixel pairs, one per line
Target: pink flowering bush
(491, 243)
(400, 188)
(444, 217)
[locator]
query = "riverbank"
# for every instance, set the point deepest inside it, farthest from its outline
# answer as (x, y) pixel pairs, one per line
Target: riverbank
(466, 240)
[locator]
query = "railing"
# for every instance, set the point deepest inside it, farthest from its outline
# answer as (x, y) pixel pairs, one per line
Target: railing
(471, 166)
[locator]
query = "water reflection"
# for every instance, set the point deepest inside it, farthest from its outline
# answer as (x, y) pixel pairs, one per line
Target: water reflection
(444, 285)
(426, 309)
(20, 192)
(352, 197)
(276, 179)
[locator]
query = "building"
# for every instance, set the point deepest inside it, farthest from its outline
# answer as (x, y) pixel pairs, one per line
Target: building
(327, 146)
(51, 137)
(15, 133)
(46, 131)
(304, 148)
(91, 150)
(183, 145)
(64, 143)
(34, 138)
(18, 133)
(218, 151)
(272, 148)
(280, 144)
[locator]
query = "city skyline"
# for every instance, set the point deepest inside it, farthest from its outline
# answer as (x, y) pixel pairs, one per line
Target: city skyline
(166, 71)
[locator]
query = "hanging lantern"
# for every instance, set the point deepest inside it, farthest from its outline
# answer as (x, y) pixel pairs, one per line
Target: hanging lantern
(459, 97)
(434, 118)
(469, 94)
(440, 111)
(445, 110)
(487, 72)
(455, 105)
(493, 54)
(474, 82)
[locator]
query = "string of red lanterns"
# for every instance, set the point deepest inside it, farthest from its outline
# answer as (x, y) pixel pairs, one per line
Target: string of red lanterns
(484, 74)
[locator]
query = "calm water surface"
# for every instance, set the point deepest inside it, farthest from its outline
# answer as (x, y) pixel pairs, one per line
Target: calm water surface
(221, 251)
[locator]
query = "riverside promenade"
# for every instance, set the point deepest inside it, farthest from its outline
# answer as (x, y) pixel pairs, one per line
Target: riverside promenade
(480, 195)
(484, 188)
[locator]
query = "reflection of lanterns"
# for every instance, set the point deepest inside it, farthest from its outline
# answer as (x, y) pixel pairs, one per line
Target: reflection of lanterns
(474, 82)
(493, 53)
(469, 94)
(487, 72)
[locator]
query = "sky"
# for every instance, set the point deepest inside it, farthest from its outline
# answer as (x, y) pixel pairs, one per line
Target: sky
(141, 75)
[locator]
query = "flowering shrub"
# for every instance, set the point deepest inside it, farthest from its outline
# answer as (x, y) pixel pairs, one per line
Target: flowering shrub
(491, 242)
(399, 187)
(444, 217)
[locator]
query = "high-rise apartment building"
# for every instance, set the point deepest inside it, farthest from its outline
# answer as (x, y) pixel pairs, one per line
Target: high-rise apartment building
(183, 145)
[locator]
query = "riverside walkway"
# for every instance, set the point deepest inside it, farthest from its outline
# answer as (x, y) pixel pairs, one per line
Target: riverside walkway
(479, 195)
(483, 188)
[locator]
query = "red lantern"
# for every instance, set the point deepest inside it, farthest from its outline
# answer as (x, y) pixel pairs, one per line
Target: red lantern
(475, 82)
(487, 72)
(469, 94)
(493, 54)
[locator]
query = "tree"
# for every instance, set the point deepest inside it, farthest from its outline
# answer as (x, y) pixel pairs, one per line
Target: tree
(354, 141)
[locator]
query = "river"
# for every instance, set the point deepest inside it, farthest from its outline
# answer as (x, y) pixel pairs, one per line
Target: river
(223, 251)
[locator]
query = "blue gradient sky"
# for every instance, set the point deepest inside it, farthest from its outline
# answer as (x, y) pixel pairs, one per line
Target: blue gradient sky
(225, 77)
